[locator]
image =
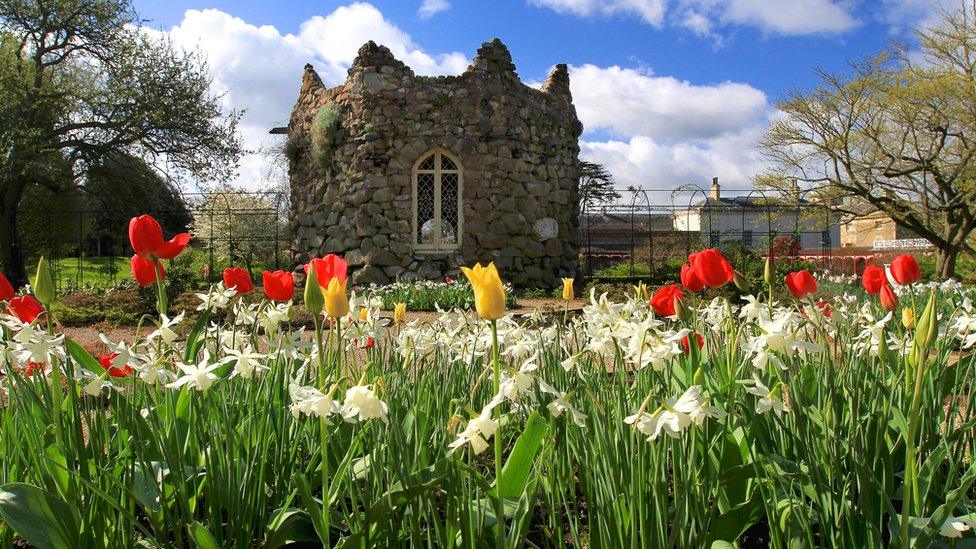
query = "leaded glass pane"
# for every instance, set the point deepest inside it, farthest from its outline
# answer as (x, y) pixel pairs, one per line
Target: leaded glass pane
(449, 208)
(427, 163)
(425, 208)
(447, 163)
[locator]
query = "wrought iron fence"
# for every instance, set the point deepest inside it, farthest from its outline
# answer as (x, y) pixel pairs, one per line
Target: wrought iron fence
(87, 246)
(645, 231)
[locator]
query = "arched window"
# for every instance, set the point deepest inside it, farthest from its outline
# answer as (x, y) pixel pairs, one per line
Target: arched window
(437, 184)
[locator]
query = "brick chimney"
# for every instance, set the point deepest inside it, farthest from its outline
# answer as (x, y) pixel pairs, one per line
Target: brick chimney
(716, 189)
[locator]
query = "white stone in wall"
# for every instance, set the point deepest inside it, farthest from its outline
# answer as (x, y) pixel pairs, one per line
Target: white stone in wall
(546, 228)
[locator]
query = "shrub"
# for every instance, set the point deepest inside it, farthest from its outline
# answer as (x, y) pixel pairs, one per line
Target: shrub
(324, 127)
(428, 295)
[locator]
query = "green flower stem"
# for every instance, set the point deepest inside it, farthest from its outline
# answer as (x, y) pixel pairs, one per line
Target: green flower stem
(161, 302)
(323, 436)
(499, 504)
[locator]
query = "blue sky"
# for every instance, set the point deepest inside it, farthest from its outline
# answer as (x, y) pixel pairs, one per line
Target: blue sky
(670, 91)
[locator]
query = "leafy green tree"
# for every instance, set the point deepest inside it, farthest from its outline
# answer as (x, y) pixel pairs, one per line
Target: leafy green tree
(121, 186)
(596, 185)
(897, 135)
(79, 81)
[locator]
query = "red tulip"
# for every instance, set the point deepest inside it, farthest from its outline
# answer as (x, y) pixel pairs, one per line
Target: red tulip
(824, 307)
(113, 371)
(367, 343)
(6, 289)
(239, 279)
(146, 237)
(26, 308)
(663, 299)
(685, 343)
(33, 368)
(873, 279)
(904, 269)
(690, 279)
(888, 298)
(143, 271)
(327, 268)
(278, 285)
(448, 279)
(801, 284)
(712, 268)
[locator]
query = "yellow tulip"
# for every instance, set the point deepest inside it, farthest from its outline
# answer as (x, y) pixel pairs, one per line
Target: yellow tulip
(641, 291)
(568, 294)
(908, 317)
(489, 295)
(363, 313)
(336, 302)
(399, 313)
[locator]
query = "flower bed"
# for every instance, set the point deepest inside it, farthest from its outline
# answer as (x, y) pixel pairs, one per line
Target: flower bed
(666, 420)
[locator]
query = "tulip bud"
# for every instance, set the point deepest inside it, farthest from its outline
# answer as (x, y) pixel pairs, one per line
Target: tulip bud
(568, 294)
(884, 351)
(889, 301)
(908, 318)
(928, 324)
(363, 314)
(681, 310)
(43, 284)
(741, 282)
(314, 300)
(768, 270)
(399, 313)
(699, 376)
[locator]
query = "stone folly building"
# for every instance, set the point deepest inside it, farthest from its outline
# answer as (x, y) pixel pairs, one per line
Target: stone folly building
(411, 176)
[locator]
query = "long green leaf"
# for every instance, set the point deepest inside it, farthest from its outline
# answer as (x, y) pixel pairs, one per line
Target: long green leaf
(39, 517)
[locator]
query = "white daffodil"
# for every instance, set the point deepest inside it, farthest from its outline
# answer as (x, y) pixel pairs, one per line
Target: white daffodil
(152, 371)
(247, 363)
(768, 400)
(39, 347)
(476, 433)
(165, 330)
(561, 404)
(310, 401)
(964, 324)
(676, 415)
(217, 298)
(292, 345)
(198, 376)
(245, 314)
(273, 316)
(124, 354)
(361, 403)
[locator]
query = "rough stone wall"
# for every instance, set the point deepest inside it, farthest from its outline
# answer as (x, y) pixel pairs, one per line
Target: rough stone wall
(519, 152)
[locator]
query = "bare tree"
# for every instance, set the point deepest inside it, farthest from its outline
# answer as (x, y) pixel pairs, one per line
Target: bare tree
(897, 134)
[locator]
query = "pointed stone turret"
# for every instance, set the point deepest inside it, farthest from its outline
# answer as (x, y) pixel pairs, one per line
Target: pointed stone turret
(493, 59)
(557, 84)
(375, 69)
(311, 80)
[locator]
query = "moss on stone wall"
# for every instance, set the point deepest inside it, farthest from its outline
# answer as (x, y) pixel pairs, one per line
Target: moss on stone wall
(324, 128)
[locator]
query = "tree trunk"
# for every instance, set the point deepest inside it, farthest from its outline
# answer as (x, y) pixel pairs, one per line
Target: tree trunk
(945, 262)
(11, 258)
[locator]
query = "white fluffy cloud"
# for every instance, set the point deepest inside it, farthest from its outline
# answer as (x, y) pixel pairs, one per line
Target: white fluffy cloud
(629, 101)
(788, 17)
(258, 69)
(668, 132)
(430, 8)
(650, 11)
